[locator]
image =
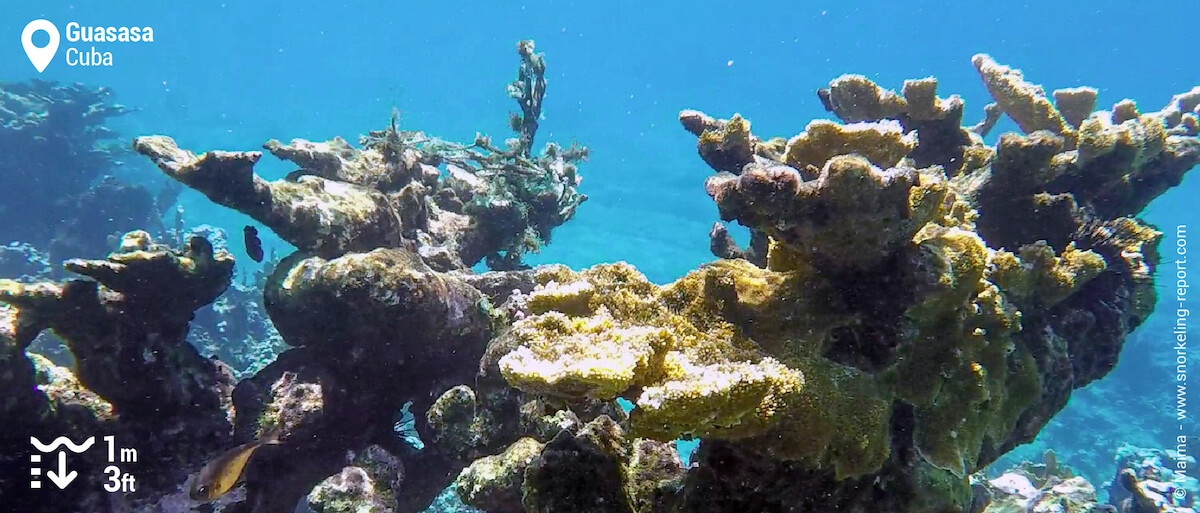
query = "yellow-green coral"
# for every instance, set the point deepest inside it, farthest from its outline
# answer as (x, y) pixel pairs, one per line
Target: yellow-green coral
(983, 393)
(975, 157)
(742, 352)
(1039, 277)
(734, 132)
(727, 400)
(961, 361)
(961, 256)
(595, 334)
(291, 403)
(713, 380)
(841, 420)
(1025, 103)
(774, 148)
(768, 380)
(880, 291)
(782, 258)
(1134, 141)
(933, 200)
(814, 216)
(497, 480)
(883, 143)
(62, 388)
(729, 146)
(648, 469)
(922, 102)
(1075, 103)
(967, 379)
(582, 356)
(1132, 239)
(856, 98)
(572, 298)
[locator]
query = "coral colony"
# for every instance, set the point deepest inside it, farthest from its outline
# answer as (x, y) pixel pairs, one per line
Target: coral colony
(914, 304)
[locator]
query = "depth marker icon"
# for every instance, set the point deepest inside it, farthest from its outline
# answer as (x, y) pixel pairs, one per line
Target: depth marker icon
(62, 477)
(35, 471)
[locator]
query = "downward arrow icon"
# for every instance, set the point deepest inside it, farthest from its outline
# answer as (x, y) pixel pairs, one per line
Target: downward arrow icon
(62, 478)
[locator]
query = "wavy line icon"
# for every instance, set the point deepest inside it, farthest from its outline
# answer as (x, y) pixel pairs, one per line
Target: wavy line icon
(62, 441)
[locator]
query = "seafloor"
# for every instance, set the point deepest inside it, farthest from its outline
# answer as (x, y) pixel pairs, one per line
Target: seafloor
(912, 304)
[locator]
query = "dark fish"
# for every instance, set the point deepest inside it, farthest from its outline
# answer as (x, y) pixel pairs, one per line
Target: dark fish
(253, 243)
(223, 473)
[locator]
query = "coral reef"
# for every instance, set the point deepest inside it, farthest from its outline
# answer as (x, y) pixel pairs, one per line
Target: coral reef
(596, 468)
(135, 376)
(112, 322)
(914, 304)
(993, 262)
(235, 328)
(905, 356)
(459, 204)
(57, 158)
(1112, 165)
(1041, 488)
(1111, 412)
(42, 398)
(368, 484)
(1143, 483)
(24, 262)
(410, 322)
(368, 298)
(1151, 476)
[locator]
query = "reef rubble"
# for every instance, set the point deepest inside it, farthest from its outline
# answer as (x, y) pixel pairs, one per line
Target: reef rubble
(1143, 482)
(914, 304)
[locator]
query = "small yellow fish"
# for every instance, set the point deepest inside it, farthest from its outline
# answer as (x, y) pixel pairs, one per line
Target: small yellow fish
(222, 474)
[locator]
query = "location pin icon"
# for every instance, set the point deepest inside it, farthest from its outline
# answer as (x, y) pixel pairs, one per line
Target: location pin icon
(40, 57)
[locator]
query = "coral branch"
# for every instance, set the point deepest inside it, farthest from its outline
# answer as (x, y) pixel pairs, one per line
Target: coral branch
(459, 204)
(126, 331)
(1024, 102)
(315, 214)
(528, 90)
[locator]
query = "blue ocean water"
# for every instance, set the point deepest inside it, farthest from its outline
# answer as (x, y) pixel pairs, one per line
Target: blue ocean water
(233, 75)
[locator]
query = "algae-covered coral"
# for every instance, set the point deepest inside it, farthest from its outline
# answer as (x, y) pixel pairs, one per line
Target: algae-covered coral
(459, 203)
(917, 315)
(914, 304)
